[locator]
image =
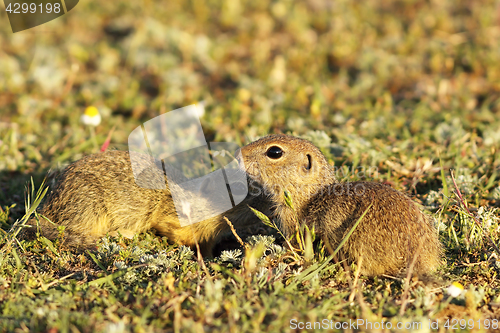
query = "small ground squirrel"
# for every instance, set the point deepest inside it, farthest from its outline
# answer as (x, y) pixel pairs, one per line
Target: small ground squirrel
(98, 194)
(388, 236)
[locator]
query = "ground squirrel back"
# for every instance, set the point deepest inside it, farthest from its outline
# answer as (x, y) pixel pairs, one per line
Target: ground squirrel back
(98, 195)
(389, 236)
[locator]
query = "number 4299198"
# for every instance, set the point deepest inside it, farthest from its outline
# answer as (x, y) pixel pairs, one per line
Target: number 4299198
(18, 8)
(454, 324)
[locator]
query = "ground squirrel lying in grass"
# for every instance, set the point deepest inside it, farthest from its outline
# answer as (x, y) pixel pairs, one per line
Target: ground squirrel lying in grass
(98, 195)
(388, 237)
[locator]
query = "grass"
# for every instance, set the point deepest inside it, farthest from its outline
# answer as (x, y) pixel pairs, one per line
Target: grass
(396, 92)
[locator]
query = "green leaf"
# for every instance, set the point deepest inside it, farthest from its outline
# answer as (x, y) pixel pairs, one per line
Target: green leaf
(109, 278)
(263, 217)
(491, 181)
(19, 265)
(443, 180)
(308, 245)
(49, 244)
(288, 200)
(97, 261)
(309, 273)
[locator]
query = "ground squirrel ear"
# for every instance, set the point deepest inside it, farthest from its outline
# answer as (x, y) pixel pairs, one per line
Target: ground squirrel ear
(309, 162)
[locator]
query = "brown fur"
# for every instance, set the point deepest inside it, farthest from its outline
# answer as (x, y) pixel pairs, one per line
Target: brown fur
(389, 234)
(98, 195)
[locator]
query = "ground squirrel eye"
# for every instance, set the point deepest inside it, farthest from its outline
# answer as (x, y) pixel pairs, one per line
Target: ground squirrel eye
(274, 152)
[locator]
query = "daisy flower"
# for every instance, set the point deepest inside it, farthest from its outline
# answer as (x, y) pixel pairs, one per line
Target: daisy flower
(91, 116)
(455, 289)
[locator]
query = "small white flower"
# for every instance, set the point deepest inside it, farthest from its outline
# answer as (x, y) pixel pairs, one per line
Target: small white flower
(91, 116)
(201, 108)
(197, 111)
(40, 312)
(118, 327)
(455, 289)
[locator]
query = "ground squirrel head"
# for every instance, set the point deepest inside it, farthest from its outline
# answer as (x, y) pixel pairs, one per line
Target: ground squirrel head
(285, 163)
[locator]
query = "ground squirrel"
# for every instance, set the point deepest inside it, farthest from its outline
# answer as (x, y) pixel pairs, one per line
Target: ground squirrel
(98, 195)
(388, 236)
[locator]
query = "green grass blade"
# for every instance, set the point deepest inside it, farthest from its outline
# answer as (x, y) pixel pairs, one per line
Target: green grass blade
(101, 266)
(344, 240)
(443, 180)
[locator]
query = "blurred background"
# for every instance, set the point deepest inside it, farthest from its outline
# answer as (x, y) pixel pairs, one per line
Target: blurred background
(381, 83)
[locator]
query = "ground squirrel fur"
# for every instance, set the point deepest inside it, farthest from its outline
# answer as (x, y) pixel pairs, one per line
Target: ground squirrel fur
(98, 195)
(388, 236)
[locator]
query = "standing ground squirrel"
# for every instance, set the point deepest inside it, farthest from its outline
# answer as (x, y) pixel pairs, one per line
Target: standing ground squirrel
(98, 194)
(388, 237)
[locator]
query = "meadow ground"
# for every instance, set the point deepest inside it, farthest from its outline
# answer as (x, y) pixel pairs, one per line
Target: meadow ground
(402, 92)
